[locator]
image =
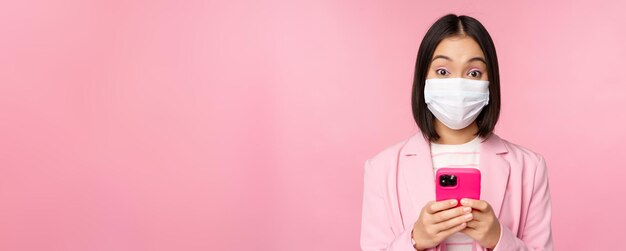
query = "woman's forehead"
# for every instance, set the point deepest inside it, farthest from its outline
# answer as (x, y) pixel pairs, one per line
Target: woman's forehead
(458, 49)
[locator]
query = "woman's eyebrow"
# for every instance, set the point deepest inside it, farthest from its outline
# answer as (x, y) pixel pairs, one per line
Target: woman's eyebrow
(477, 59)
(440, 56)
(449, 59)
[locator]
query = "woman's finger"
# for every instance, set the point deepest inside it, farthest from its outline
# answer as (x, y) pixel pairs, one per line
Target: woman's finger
(480, 205)
(446, 233)
(471, 232)
(480, 216)
(474, 224)
(447, 214)
(451, 223)
(436, 206)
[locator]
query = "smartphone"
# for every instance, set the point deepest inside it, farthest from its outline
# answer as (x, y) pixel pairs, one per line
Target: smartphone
(457, 183)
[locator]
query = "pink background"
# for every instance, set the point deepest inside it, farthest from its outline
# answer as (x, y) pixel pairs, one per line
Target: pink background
(244, 125)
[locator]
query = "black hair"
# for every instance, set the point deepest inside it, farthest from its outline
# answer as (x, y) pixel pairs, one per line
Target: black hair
(448, 26)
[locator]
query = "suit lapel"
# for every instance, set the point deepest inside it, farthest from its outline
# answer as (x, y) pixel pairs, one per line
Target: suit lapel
(416, 169)
(494, 170)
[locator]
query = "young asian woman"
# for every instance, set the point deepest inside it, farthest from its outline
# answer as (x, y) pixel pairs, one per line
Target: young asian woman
(456, 105)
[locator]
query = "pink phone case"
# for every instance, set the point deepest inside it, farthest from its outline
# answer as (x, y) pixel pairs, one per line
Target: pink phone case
(467, 184)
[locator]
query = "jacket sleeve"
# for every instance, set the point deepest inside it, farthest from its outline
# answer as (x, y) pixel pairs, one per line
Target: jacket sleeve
(537, 233)
(376, 231)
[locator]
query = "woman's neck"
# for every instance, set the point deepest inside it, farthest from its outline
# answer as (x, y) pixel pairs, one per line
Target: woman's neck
(449, 136)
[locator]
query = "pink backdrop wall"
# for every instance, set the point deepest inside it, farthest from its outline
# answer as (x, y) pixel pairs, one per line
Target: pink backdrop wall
(244, 125)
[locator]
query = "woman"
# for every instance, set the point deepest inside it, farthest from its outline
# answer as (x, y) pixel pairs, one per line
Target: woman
(456, 104)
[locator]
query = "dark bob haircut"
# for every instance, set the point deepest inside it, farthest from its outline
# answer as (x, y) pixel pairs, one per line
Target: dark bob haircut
(448, 26)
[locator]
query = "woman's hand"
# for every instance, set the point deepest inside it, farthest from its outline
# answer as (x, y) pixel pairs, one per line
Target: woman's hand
(437, 221)
(485, 227)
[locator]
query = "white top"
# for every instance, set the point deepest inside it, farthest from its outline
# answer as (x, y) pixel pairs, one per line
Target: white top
(466, 155)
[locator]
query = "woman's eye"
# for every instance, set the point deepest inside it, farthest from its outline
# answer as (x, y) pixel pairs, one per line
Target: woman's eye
(474, 74)
(441, 71)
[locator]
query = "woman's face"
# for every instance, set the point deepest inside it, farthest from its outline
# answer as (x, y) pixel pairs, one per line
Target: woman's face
(458, 57)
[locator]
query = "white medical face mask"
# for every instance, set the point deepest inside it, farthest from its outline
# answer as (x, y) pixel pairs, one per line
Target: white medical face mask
(456, 102)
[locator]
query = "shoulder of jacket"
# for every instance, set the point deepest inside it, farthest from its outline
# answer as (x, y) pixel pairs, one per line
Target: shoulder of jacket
(522, 153)
(388, 156)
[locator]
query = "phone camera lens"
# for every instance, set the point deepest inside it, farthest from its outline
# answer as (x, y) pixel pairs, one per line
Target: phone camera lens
(447, 180)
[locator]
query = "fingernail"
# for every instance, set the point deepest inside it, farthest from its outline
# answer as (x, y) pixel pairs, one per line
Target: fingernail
(468, 216)
(467, 209)
(463, 201)
(453, 202)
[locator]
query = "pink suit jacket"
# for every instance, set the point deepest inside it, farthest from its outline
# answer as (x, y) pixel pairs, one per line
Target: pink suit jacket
(399, 181)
